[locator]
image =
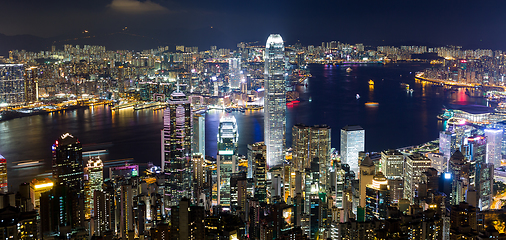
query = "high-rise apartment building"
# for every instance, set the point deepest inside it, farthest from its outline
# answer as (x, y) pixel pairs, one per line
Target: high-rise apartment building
(94, 174)
(176, 148)
(274, 100)
(352, 142)
(227, 157)
(12, 84)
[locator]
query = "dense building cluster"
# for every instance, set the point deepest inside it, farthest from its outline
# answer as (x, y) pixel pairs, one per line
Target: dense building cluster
(304, 191)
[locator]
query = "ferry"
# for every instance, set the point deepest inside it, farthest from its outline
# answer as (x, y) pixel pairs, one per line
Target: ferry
(371, 104)
(371, 82)
(357, 96)
(349, 69)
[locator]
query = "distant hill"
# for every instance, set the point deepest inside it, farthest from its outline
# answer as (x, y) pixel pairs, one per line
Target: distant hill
(27, 42)
(123, 40)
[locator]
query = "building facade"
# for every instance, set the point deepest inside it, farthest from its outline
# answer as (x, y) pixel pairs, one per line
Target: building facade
(274, 100)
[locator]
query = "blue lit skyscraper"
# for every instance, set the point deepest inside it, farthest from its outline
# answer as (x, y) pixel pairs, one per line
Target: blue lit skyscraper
(352, 142)
(274, 100)
(494, 144)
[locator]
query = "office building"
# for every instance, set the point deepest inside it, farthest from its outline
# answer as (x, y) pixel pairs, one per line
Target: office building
(3, 175)
(260, 176)
(309, 143)
(176, 148)
(253, 150)
(494, 145)
(447, 143)
(463, 221)
(392, 164)
(416, 165)
(199, 133)
(367, 172)
(274, 100)
(94, 175)
(352, 142)
(227, 157)
(12, 84)
(68, 172)
(235, 73)
(377, 197)
(31, 85)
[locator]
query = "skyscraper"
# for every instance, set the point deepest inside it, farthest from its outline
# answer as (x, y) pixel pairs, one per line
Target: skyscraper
(352, 142)
(68, 166)
(94, 173)
(416, 165)
(12, 84)
(68, 171)
(176, 148)
(377, 197)
(234, 69)
(274, 100)
(199, 133)
(227, 157)
(309, 143)
(367, 171)
(3, 175)
(392, 163)
(494, 144)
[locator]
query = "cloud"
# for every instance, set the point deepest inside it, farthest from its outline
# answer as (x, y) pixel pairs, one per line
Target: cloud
(135, 7)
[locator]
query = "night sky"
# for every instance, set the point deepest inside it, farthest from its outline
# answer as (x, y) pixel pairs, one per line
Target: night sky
(472, 24)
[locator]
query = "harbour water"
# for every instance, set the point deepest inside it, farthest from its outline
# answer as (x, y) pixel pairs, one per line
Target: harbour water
(399, 119)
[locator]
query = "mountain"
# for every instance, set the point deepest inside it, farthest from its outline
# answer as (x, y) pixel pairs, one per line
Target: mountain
(27, 42)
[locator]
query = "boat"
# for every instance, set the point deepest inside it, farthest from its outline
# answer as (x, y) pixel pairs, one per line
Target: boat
(358, 96)
(349, 69)
(310, 99)
(371, 82)
(371, 104)
(501, 107)
(411, 90)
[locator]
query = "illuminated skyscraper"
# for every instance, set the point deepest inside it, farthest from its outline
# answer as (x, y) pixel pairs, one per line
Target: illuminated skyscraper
(392, 164)
(3, 175)
(416, 165)
(367, 171)
(309, 143)
(494, 144)
(234, 69)
(68, 172)
(176, 148)
(377, 197)
(68, 166)
(274, 100)
(199, 134)
(12, 84)
(31, 85)
(352, 142)
(94, 173)
(227, 157)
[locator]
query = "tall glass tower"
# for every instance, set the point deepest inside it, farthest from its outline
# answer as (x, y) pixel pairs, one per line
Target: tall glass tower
(227, 157)
(176, 148)
(274, 100)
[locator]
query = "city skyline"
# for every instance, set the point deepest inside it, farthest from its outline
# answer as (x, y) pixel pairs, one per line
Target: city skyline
(174, 23)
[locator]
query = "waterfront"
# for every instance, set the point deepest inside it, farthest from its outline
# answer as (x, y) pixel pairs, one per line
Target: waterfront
(400, 119)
